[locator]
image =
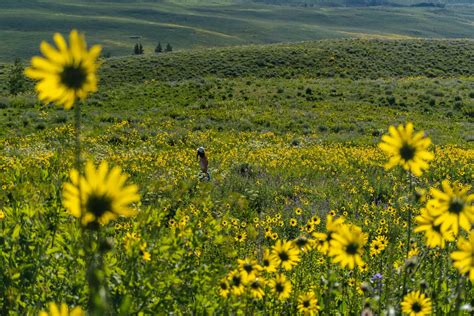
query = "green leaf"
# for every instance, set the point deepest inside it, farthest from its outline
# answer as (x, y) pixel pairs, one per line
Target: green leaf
(52, 250)
(16, 232)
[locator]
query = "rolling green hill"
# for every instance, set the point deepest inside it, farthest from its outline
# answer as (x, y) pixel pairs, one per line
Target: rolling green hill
(347, 58)
(345, 89)
(190, 24)
(365, 2)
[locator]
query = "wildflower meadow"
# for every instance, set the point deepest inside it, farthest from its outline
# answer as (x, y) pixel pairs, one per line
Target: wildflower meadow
(104, 214)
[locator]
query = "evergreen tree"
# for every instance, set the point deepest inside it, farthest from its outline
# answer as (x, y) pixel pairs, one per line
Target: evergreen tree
(16, 79)
(168, 48)
(158, 48)
(138, 49)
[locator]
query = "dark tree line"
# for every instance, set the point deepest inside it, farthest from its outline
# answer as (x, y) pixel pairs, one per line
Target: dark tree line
(159, 49)
(139, 50)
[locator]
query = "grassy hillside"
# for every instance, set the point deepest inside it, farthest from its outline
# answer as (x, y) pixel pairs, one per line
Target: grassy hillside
(363, 2)
(293, 2)
(353, 59)
(117, 24)
(313, 86)
(349, 58)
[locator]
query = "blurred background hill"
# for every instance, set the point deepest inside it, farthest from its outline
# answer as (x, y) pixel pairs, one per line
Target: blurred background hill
(119, 24)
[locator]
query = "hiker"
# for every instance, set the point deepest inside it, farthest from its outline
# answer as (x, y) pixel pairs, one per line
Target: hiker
(203, 163)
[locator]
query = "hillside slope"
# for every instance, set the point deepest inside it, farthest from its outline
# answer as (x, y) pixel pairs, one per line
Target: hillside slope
(355, 59)
(118, 25)
(345, 90)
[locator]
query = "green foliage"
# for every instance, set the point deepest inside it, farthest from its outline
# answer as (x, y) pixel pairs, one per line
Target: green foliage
(16, 79)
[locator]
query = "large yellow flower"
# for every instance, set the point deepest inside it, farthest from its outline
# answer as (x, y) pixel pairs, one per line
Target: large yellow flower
(452, 206)
(322, 240)
(416, 304)
(103, 194)
(284, 253)
(376, 247)
(249, 269)
(236, 282)
(224, 287)
(464, 257)
(281, 287)
(435, 237)
(308, 304)
(303, 243)
(268, 262)
(347, 245)
(256, 287)
(62, 310)
(407, 149)
(66, 73)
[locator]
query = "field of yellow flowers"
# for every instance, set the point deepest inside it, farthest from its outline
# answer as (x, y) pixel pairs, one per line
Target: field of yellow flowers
(104, 214)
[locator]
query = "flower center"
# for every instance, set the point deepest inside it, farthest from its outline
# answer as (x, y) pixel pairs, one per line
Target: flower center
(248, 267)
(98, 205)
(255, 285)
(283, 256)
(224, 285)
(73, 76)
(279, 287)
(266, 262)
(236, 280)
(456, 205)
(416, 307)
(301, 242)
(352, 248)
(407, 152)
(306, 304)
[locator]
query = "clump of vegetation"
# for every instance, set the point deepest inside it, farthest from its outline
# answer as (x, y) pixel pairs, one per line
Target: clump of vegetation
(138, 49)
(16, 80)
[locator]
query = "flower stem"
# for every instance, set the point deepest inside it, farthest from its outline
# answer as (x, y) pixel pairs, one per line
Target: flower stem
(98, 301)
(92, 238)
(458, 295)
(77, 112)
(405, 272)
(327, 297)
